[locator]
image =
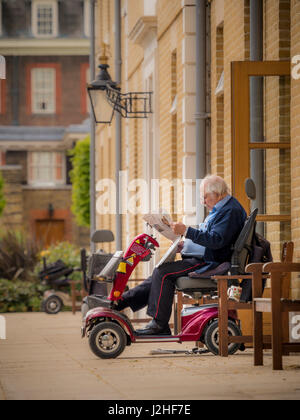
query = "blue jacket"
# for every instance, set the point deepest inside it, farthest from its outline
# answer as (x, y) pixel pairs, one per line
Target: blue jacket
(222, 232)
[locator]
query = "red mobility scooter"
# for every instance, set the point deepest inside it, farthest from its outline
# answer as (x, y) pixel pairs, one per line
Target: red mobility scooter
(110, 331)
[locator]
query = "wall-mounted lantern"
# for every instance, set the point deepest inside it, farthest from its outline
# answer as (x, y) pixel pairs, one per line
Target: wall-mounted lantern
(106, 97)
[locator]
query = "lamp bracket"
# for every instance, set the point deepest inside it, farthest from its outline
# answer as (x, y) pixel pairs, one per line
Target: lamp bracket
(131, 104)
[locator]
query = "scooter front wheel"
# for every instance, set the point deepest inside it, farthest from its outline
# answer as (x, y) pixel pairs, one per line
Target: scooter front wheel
(107, 340)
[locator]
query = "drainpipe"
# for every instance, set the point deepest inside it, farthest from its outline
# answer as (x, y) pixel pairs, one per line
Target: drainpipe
(256, 106)
(201, 114)
(118, 139)
(92, 131)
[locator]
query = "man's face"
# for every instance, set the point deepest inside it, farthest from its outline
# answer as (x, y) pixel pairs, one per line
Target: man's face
(208, 199)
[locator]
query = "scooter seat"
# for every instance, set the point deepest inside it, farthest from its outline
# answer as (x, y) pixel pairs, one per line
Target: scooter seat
(60, 282)
(186, 284)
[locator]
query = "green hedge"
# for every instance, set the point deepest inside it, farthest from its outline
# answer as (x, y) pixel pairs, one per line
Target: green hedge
(80, 178)
(20, 296)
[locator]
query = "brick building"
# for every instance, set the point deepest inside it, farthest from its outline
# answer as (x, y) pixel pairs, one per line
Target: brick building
(159, 54)
(43, 112)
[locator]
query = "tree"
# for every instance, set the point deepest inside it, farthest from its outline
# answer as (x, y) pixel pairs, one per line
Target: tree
(80, 178)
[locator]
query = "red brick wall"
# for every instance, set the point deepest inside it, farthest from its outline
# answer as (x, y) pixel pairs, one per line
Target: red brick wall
(70, 90)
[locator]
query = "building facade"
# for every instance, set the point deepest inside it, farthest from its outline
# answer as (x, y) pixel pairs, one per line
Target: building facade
(44, 111)
(251, 115)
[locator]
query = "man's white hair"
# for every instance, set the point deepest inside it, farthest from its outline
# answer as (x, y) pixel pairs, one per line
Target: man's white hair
(215, 184)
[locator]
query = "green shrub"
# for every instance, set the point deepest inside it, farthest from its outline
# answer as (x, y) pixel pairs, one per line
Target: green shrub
(20, 296)
(80, 178)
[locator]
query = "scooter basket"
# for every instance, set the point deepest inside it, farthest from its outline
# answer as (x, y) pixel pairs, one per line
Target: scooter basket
(55, 271)
(97, 262)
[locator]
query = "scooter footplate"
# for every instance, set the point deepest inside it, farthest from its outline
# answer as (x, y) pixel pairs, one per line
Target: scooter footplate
(156, 338)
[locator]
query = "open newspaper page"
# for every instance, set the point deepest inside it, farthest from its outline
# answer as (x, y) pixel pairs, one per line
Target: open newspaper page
(161, 223)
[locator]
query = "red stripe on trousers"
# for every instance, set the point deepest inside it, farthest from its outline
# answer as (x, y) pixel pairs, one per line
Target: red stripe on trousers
(168, 274)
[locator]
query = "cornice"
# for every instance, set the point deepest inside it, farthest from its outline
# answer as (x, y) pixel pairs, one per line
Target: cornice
(144, 27)
(37, 46)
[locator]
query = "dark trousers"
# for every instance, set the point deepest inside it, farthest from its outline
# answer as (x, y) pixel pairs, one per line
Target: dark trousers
(157, 291)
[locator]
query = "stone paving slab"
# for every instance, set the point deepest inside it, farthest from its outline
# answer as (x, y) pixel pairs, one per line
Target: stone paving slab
(44, 357)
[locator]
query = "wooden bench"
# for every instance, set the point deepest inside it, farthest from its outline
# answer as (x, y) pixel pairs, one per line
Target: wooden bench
(225, 304)
(279, 306)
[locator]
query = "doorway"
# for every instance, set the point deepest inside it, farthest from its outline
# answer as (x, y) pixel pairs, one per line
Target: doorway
(49, 232)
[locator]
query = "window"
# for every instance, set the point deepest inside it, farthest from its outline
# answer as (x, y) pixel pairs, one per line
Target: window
(44, 18)
(46, 168)
(43, 90)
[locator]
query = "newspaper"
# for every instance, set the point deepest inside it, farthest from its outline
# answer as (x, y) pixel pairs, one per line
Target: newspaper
(161, 223)
(170, 255)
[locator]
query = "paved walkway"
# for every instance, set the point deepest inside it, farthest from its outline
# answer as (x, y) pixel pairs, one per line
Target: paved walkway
(44, 357)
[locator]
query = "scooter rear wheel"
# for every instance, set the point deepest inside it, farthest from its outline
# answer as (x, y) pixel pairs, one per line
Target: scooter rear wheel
(211, 337)
(52, 305)
(107, 340)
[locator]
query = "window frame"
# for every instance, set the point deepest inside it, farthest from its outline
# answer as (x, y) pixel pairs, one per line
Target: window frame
(240, 126)
(35, 91)
(34, 18)
(57, 87)
(54, 181)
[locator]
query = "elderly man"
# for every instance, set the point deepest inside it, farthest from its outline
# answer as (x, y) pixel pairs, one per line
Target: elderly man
(210, 243)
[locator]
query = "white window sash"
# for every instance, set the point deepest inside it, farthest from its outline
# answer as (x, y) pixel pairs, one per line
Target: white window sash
(43, 168)
(43, 89)
(36, 4)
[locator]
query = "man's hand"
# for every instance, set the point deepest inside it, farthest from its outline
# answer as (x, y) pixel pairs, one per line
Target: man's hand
(178, 228)
(180, 246)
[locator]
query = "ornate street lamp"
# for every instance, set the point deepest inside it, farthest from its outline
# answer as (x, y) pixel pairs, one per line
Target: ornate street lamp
(106, 97)
(102, 110)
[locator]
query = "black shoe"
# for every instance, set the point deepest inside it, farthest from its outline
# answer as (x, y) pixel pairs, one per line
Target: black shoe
(153, 328)
(120, 305)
